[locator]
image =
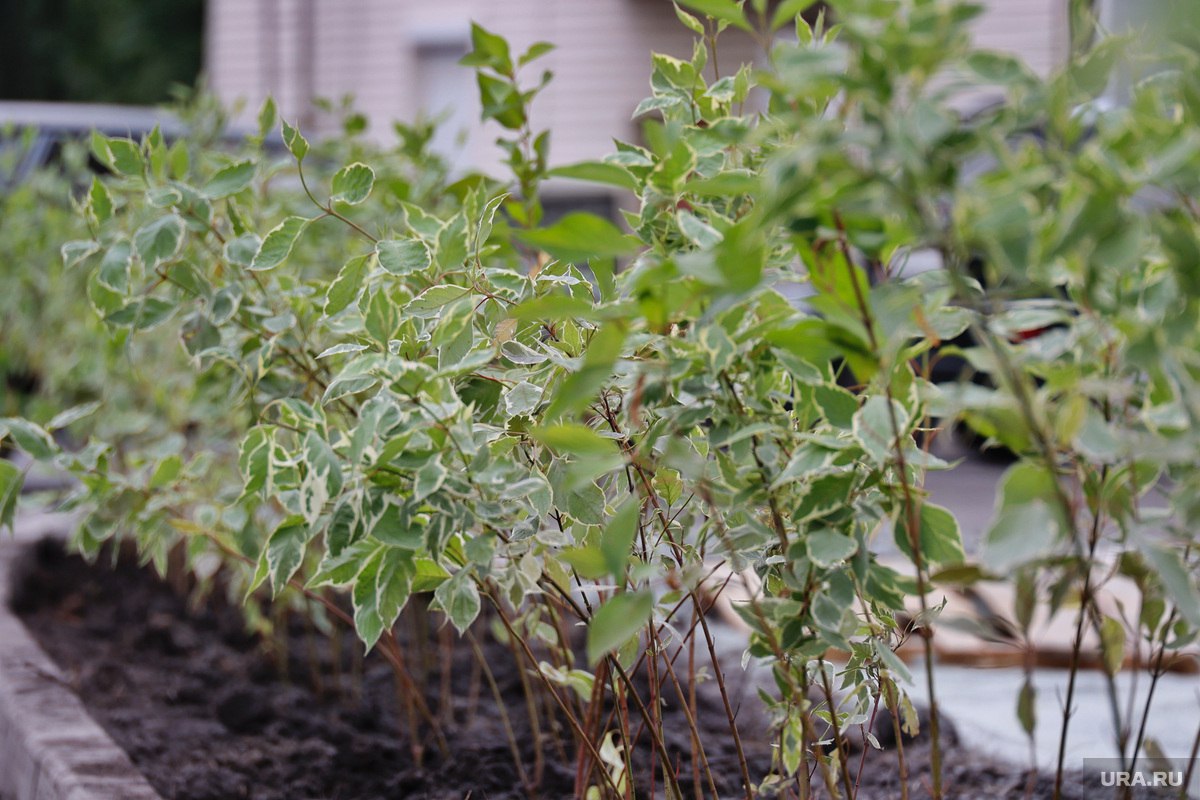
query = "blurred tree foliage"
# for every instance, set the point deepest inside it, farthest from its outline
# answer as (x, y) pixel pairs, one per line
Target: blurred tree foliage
(116, 51)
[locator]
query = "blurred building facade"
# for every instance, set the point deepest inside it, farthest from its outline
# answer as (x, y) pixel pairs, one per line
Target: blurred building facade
(399, 59)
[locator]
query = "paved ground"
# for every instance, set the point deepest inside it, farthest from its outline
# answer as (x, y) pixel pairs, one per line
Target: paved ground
(982, 702)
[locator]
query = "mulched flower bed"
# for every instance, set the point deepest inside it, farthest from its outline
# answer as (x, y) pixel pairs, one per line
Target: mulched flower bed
(206, 712)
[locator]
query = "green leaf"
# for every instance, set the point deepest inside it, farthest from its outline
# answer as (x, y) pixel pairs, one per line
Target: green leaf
(616, 543)
(588, 562)
(999, 68)
(403, 256)
(115, 266)
(396, 528)
(65, 419)
(874, 429)
(826, 493)
(837, 405)
(142, 314)
(383, 317)
(345, 286)
(364, 596)
(322, 477)
(339, 349)
(940, 537)
(741, 256)
(1174, 576)
(1027, 707)
(100, 200)
(430, 301)
(697, 231)
(296, 144)
(1112, 644)
(266, 117)
(501, 101)
(1024, 482)
(553, 306)
(598, 172)
(616, 622)
(451, 248)
(535, 489)
(828, 547)
(164, 197)
(30, 437)
(535, 51)
(580, 236)
(522, 398)
(428, 576)
(254, 459)
(429, 479)
(722, 11)
(787, 11)
(229, 180)
(459, 598)
(241, 249)
(576, 439)
(11, 481)
(285, 551)
(166, 472)
(581, 387)
(159, 240)
(123, 155)
(393, 584)
(489, 50)
(1020, 534)
(352, 184)
(689, 22)
(74, 252)
(278, 245)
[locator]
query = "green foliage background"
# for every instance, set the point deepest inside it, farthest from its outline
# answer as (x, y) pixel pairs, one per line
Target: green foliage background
(113, 51)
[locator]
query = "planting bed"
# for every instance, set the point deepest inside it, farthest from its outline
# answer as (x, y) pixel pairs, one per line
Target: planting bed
(205, 713)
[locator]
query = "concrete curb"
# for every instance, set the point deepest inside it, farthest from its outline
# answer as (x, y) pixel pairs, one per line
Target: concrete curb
(50, 749)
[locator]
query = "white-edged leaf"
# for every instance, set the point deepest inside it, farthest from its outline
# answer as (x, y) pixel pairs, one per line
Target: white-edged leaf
(285, 551)
(351, 384)
(229, 180)
(346, 285)
(459, 598)
(72, 415)
(522, 398)
(160, 240)
(344, 347)
(403, 256)
(30, 437)
(296, 144)
(352, 184)
(278, 244)
(827, 547)
(698, 232)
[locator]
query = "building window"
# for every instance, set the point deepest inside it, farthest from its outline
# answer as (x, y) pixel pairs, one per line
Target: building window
(446, 93)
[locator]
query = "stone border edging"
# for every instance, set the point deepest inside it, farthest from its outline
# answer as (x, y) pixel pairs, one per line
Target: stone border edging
(50, 749)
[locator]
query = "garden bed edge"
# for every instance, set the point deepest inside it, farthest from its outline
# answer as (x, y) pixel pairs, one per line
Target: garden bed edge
(50, 748)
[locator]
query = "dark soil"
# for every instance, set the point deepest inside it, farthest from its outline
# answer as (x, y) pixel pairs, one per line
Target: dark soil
(207, 713)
